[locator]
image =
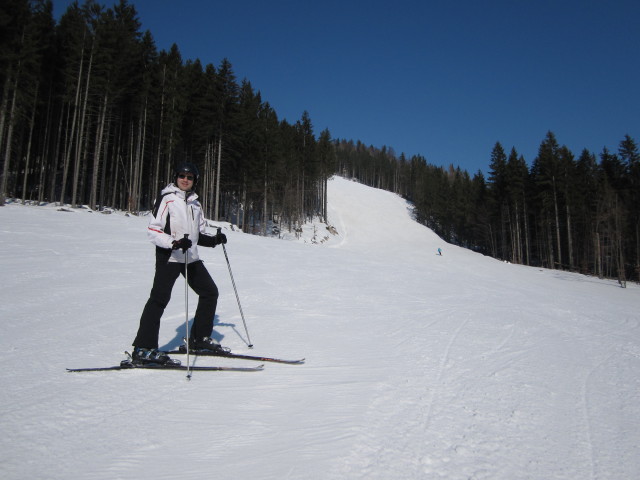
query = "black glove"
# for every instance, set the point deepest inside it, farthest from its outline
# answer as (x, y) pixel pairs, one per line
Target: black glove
(183, 244)
(220, 238)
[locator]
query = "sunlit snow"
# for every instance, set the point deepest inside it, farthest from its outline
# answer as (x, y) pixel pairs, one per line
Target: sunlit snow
(419, 366)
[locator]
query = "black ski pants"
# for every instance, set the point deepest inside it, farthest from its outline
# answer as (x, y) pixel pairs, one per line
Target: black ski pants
(165, 278)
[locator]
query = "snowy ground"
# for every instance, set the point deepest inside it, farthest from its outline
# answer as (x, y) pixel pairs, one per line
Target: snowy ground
(419, 366)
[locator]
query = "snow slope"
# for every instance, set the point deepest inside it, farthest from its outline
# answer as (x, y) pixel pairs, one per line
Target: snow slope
(419, 366)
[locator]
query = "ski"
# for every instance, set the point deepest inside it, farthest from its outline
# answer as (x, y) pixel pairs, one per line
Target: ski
(128, 365)
(206, 353)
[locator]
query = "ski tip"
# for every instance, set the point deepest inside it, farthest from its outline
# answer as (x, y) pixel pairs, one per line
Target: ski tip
(295, 362)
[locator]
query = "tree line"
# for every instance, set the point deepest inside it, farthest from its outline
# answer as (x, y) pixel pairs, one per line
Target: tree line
(564, 212)
(92, 114)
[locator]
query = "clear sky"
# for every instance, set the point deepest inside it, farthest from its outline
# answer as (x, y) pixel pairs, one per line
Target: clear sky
(443, 79)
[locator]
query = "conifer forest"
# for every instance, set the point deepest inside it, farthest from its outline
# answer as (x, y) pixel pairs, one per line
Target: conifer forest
(92, 114)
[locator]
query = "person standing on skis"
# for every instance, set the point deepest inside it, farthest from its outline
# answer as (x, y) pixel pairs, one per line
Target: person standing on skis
(177, 226)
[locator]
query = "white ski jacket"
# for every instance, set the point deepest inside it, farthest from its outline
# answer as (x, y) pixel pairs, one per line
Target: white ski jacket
(175, 214)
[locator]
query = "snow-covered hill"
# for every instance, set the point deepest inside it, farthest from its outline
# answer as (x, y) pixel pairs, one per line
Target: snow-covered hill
(419, 366)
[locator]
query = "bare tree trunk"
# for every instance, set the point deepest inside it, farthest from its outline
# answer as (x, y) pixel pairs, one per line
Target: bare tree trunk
(119, 181)
(69, 134)
(136, 159)
(70, 139)
(170, 152)
(44, 160)
(265, 203)
(3, 106)
(619, 246)
(569, 238)
(217, 208)
(526, 230)
(143, 142)
(156, 171)
(325, 197)
(638, 249)
(243, 225)
(597, 261)
(28, 155)
(131, 180)
(9, 141)
(204, 184)
(517, 237)
(211, 179)
(116, 173)
(551, 256)
(80, 151)
(93, 202)
(557, 217)
(105, 163)
(58, 154)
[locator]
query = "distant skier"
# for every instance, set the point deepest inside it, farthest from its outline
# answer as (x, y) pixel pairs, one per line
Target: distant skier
(177, 212)
(439, 251)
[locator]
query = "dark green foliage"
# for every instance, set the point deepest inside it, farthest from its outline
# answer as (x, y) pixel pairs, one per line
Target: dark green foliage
(95, 115)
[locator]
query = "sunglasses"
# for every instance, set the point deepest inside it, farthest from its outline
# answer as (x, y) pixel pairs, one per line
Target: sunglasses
(188, 177)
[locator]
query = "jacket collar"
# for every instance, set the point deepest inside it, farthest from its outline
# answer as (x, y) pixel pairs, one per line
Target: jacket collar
(173, 188)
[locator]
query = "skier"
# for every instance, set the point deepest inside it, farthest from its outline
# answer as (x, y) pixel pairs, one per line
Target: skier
(177, 212)
(439, 251)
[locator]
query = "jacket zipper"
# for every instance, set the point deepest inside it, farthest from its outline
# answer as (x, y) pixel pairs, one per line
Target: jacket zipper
(190, 207)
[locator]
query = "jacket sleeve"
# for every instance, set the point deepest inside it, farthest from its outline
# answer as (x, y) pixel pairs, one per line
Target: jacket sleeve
(205, 239)
(159, 230)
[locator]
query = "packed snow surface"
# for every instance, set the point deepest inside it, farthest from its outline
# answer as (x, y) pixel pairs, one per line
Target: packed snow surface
(418, 366)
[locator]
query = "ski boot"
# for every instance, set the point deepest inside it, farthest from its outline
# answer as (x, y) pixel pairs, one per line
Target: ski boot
(207, 345)
(146, 356)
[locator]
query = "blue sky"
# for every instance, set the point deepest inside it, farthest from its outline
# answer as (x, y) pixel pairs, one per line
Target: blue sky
(443, 79)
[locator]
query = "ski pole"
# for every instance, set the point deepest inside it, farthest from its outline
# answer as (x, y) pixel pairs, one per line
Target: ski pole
(235, 289)
(186, 304)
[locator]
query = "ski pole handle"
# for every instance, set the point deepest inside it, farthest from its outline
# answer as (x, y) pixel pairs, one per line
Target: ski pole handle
(184, 250)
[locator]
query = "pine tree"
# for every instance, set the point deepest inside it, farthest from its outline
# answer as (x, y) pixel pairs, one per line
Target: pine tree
(586, 194)
(546, 173)
(227, 107)
(498, 189)
(630, 155)
(516, 174)
(18, 54)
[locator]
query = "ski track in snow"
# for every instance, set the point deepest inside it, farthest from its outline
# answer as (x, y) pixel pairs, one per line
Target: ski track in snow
(419, 366)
